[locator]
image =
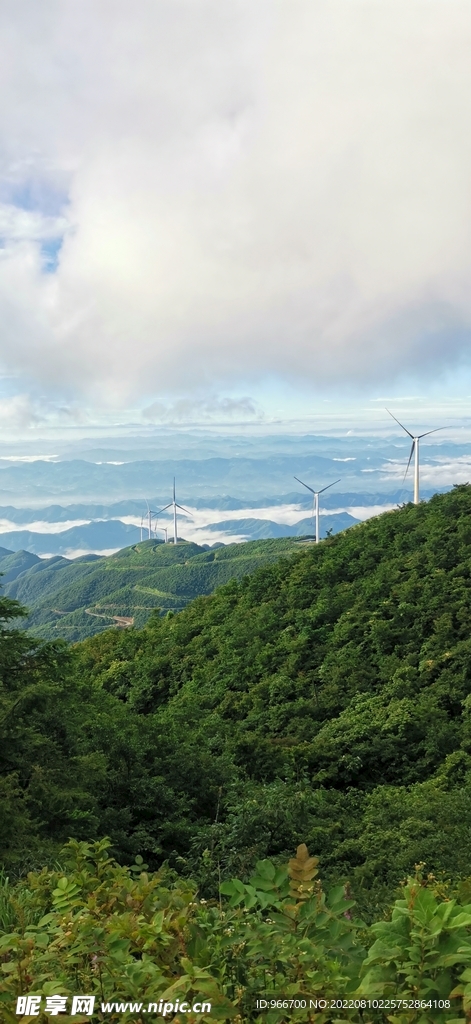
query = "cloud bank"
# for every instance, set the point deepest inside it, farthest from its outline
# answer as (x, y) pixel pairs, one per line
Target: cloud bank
(195, 198)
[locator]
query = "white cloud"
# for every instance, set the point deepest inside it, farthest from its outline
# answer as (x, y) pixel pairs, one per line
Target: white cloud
(438, 471)
(28, 458)
(17, 224)
(41, 526)
(280, 188)
(205, 410)
(18, 412)
(23, 414)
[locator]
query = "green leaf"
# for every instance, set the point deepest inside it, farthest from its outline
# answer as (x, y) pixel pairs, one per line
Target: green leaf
(227, 888)
(266, 869)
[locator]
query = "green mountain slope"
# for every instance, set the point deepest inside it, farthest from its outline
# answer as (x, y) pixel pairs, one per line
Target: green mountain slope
(325, 698)
(76, 599)
(12, 563)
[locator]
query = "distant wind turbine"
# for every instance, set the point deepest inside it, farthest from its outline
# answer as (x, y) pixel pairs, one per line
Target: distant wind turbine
(315, 501)
(150, 513)
(414, 451)
(173, 504)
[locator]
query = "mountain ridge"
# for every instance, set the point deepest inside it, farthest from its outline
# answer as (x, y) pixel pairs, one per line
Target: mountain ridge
(323, 697)
(77, 598)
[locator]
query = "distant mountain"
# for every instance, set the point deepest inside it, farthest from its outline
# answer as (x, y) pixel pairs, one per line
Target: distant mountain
(99, 536)
(249, 479)
(253, 529)
(79, 598)
(13, 563)
(221, 502)
(262, 529)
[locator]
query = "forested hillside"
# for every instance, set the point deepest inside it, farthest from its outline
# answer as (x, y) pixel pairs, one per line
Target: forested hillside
(76, 599)
(324, 698)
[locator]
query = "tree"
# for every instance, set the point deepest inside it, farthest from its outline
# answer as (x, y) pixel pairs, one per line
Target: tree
(41, 782)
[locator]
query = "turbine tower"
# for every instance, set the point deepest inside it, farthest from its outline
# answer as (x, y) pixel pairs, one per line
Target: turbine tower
(150, 513)
(164, 530)
(174, 506)
(315, 501)
(414, 451)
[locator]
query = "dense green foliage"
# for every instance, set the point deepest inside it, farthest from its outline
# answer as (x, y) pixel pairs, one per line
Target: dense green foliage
(130, 937)
(325, 698)
(76, 599)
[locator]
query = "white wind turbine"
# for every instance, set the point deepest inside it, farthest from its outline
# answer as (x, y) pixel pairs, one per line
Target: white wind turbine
(414, 451)
(315, 501)
(173, 504)
(150, 513)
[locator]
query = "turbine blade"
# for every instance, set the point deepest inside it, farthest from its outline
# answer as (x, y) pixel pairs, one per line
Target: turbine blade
(329, 485)
(400, 424)
(410, 459)
(304, 485)
(185, 510)
(427, 432)
(164, 509)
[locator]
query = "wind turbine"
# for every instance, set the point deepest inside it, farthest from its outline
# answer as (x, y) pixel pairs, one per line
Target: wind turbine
(150, 513)
(164, 530)
(315, 501)
(414, 451)
(173, 504)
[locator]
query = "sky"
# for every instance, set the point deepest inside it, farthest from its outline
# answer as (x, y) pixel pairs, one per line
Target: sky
(244, 212)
